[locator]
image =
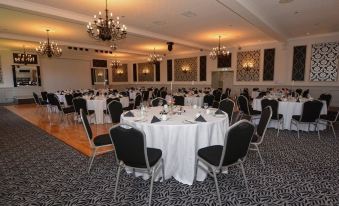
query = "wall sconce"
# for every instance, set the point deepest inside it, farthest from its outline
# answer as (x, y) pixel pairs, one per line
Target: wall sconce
(145, 71)
(247, 65)
(100, 74)
(185, 69)
(119, 72)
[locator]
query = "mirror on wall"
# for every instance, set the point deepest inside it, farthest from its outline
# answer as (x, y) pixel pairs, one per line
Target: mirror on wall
(99, 76)
(24, 75)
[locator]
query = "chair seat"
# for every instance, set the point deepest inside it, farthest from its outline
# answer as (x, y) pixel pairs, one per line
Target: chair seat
(280, 116)
(212, 155)
(330, 116)
(102, 140)
(255, 138)
(254, 112)
(153, 157)
(68, 110)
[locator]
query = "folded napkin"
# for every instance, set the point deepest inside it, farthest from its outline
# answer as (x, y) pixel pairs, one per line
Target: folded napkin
(219, 112)
(155, 119)
(200, 119)
(129, 114)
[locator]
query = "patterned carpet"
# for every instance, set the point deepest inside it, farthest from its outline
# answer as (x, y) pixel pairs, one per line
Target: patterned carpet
(37, 169)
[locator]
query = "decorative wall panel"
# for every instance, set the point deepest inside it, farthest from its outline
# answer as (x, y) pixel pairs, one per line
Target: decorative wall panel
(1, 77)
(225, 61)
(120, 74)
(142, 75)
(135, 77)
(248, 57)
(299, 60)
(191, 64)
(269, 55)
(157, 72)
(324, 62)
(169, 70)
(203, 68)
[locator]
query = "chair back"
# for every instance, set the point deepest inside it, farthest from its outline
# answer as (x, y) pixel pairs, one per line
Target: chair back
(80, 103)
(130, 145)
(227, 105)
(36, 99)
(236, 142)
(243, 104)
(155, 102)
(274, 104)
(44, 95)
(115, 110)
(53, 100)
(217, 95)
(299, 91)
(163, 94)
(311, 111)
(145, 95)
(87, 126)
(209, 99)
(305, 93)
(78, 94)
(179, 100)
(265, 118)
(69, 99)
(137, 101)
(327, 98)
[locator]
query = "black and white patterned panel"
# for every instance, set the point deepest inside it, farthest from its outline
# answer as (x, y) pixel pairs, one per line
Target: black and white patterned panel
(145, 77)
(324, 62)
(269, 55)
(118, 76)
(191, 63)
(299, 61)
(248, 74)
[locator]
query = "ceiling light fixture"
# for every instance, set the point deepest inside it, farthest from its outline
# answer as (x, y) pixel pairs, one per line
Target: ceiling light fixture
(49, 48)
(154, 58)
(218, 51)
(115, 64)
(105, 28)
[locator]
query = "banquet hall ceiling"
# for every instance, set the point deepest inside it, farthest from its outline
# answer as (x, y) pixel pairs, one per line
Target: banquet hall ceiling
(191, 24)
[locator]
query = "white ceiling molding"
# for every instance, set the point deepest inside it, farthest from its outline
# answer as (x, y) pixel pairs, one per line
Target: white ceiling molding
(246, 12)
(83, 19)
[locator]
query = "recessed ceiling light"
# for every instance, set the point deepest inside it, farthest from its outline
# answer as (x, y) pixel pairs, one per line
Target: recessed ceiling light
(189, 14)
(285, 1)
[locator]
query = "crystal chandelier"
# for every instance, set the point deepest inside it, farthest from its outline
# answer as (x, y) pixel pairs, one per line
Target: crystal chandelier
(218, 51)
(49, 47)
(115, 64)
(105, 28)
(154, 58)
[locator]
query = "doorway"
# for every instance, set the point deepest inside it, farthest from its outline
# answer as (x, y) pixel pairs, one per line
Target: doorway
(222, 79)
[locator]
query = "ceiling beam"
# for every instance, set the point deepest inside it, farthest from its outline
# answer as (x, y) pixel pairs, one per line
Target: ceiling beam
(247, 12)
(83, 19)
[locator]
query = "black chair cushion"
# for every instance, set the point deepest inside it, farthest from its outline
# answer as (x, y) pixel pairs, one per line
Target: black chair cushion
(277, 118)
(330, 116)
(102, 140)
(212, 154)
(255, 138)
(254, 112)
(296, 117)
(68, 110)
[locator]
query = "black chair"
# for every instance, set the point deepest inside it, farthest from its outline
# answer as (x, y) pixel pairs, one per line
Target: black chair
(145, 95)
(209, 99)
(155, 102)
(233, 152)
(305, 93)
(310, 115)
(39, 102)
(163, 94)
(81, 103)
(44, 96)
(217, 95)
(137, 101)
(299, 91)
(227, 105)
(115, 110)
(258, 136)
(96, 142)
(274, 104)
(109, 100)
(52, 103)
(327, 98)
(330, 118)
(179, 100)
(69, 99)
(78, 94)
(246, 109)
(131, 151)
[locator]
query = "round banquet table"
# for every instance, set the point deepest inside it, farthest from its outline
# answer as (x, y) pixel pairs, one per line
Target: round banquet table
(180, 140)
(99, 105)
(288, 109)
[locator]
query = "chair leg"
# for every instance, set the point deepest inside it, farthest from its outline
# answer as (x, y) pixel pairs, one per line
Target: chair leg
(261, 160)
(298, 129)
(332, 126)
(116, 183)
(151, 188)
(196, 169)
(91, 161)
(244, 175)
(216, 185)
(163, 170)
(278, 125)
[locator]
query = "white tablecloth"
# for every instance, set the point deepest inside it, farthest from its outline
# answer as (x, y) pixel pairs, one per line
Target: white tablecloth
(288, 109)
(99, 105)
(180, 141)
(254, 94)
